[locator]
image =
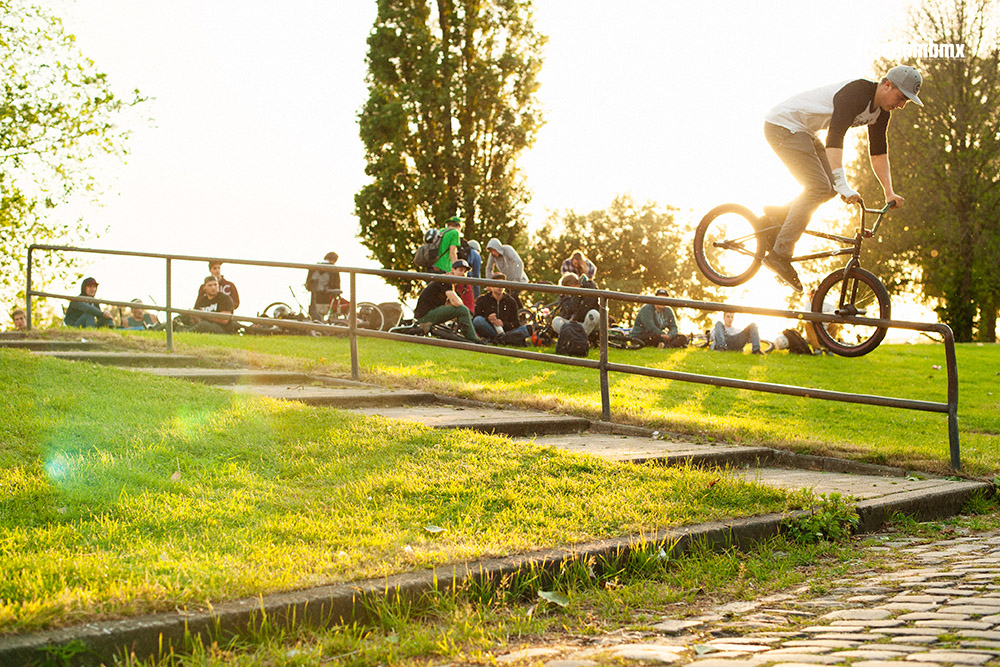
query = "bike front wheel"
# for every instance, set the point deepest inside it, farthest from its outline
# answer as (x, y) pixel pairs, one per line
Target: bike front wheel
(854, 292)
(369, 316)
(726, 246)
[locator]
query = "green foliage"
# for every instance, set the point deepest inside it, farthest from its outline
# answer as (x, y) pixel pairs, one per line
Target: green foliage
(636, 249)
(451, 107)
(831, 518)
(58, 113)
(944, 245)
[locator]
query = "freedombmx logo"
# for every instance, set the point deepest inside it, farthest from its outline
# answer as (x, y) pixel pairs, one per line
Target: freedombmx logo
(925, 50)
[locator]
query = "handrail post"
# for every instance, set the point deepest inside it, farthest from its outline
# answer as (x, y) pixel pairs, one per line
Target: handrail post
(170, 315)
(27, 294)
(352, 320)
(605, 390)
(952, 363)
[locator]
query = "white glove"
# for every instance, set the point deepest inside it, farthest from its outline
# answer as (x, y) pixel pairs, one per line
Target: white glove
(841, 186)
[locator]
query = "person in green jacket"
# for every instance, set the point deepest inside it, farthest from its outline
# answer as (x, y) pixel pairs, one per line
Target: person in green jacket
(656, 326)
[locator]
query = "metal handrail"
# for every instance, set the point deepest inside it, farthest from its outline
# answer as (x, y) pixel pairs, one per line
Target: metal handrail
(603, 365)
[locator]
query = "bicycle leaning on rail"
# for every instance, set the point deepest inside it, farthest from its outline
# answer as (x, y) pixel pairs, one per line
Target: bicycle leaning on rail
(731, 242)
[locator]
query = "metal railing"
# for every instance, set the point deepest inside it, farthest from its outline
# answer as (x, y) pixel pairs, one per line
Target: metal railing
(602, 364)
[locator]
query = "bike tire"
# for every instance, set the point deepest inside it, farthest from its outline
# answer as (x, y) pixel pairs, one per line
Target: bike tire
(526, 316)
(727, 249)
(267, 312)
(864, 290)
(369, 316)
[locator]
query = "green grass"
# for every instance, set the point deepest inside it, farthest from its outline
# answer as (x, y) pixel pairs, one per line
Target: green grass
(906, 438)
(123, 493)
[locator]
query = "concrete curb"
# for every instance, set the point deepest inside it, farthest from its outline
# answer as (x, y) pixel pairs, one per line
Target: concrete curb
(156, 634)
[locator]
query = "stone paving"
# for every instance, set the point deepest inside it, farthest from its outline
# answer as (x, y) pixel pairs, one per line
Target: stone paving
(939, 606)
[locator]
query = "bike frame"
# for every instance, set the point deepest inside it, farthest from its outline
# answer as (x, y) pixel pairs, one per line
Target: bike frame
(854, 244)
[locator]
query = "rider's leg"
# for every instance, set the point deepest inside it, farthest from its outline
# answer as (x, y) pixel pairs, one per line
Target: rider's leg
(805, 157)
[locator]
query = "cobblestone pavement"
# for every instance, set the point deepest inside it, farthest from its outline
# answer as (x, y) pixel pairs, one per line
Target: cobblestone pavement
(940, 607)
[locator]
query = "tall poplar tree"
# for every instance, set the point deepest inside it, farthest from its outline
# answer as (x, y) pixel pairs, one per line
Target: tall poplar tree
(451, 107)
(944, 244)
(57, 114)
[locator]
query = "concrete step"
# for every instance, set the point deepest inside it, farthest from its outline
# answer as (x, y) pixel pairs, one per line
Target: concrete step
(639, 449)
(509, 421)
(130, 359)
(235, 376)
(338, 396)
(41, 345)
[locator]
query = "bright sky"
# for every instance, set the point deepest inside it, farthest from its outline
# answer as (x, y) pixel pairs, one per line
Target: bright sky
(254, 152)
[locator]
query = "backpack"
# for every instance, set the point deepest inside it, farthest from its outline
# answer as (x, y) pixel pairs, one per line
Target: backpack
(464, 249)
(428, 252)
(573, 340)
(796, 343)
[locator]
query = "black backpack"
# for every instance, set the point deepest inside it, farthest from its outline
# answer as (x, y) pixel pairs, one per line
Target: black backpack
(464, 249)
(796, 343)
(572, 340)
(428, 252)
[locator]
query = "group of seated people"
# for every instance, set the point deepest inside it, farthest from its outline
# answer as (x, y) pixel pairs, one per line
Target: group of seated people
(217, 297)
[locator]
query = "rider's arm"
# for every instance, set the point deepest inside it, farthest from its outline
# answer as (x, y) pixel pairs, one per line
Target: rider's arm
(880, 165)
(836, 158)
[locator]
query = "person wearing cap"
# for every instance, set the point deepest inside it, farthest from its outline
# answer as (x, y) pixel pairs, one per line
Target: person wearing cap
(227, 287)
(656, 326)
(726, 337)
(86, 314)
(792, 130)
(218, 308)
(438, 303)
(475, 265)
(451, 241)
(138, 318)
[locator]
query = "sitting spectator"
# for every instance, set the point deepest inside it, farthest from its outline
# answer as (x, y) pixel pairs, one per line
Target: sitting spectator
(496, 314)
(578, 264)
(225, 286)
(85, 314)
(656, 326)
(139, 319)
(20, 319)
(475, 265)
(439, 303)
(504, 259)
(324, 289)
(727, 337)
(583, 309)
(213, 301)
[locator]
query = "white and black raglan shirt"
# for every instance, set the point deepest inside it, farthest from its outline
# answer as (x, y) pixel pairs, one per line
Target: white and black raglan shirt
(835, 107)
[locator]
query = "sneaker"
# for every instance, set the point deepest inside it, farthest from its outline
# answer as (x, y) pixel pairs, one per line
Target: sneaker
(756, 352)
(425, 327)
(783, 269)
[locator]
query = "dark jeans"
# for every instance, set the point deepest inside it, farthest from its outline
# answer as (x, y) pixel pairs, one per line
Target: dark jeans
(805, 157)
(489, 332)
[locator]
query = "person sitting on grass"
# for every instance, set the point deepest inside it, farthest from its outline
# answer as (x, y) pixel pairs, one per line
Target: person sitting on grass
(215, 302)
(227, 287)
(656, 326)
(583, 309)
(138, 318)
(496, 314)
(85, 314)
(726, 337)
(439, 303)
(20, 319)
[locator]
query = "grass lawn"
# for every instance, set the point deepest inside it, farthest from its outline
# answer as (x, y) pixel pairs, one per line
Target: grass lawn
(122, 493)
(906, 438)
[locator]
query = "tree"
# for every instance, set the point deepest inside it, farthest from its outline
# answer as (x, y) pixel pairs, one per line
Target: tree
(636, 249)
(451, 107)
(945, 243)
(57, 114)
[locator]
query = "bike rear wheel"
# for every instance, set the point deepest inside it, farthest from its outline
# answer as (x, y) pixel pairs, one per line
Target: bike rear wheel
(862, 290)
(369, 316)
(726, 246)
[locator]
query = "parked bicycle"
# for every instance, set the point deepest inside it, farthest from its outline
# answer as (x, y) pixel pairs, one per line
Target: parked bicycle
(370, 316)
(731, 241)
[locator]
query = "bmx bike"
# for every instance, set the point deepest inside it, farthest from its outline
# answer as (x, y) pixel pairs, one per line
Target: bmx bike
(369, 315)
(731, 241)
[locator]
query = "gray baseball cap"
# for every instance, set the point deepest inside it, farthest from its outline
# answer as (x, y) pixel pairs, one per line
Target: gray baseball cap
(908, 80)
